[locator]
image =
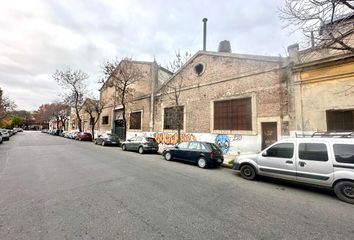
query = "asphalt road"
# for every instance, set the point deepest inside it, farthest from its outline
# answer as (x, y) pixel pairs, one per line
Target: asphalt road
(55, 188)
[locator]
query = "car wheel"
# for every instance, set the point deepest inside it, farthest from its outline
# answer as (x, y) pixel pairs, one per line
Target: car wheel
(103, 143)
(345, 191)
(141, 150)
(168, 156)
(248, 172)
(124, 148)
(202, 163)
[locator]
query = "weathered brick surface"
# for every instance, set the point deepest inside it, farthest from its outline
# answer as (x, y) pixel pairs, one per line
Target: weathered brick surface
(223, 78)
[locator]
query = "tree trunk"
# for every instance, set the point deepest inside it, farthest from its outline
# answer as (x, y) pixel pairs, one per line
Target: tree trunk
(57, 123)
(92, 120)
(124, 125)
(79, 124)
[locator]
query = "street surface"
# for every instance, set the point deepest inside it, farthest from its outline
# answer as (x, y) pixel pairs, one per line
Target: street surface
(56, 188)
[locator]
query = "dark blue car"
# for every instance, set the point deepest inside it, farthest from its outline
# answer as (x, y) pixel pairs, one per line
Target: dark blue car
(204, 154)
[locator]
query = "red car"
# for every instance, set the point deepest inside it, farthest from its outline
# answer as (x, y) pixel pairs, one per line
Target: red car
(84, 136)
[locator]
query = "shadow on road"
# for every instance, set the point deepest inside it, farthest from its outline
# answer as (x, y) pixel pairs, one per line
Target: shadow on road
(283, 184)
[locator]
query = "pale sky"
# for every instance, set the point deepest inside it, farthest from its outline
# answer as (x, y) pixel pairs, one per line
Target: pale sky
(39, 36)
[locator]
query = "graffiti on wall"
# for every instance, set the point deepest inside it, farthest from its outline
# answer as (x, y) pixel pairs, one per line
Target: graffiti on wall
(172, 138)
(237, 137)
(223, 141)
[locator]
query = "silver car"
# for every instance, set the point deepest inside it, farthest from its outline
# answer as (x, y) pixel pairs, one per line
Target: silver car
(5, 134)
(141, 144)
(326, 162)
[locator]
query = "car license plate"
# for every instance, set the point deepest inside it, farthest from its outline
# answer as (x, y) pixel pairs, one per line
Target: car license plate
(113, 142)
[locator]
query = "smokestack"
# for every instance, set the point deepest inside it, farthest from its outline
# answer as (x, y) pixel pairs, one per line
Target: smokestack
(224, 46)
(204, 33)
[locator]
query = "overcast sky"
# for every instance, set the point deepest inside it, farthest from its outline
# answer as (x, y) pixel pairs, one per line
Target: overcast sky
(39, 36)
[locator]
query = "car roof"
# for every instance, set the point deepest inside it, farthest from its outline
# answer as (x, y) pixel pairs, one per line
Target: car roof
(319, 139)
(200, 142)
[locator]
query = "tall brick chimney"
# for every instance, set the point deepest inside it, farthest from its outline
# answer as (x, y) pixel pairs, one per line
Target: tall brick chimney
(224, 46)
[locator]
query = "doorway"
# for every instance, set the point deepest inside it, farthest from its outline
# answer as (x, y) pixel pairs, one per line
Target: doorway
(269, 134)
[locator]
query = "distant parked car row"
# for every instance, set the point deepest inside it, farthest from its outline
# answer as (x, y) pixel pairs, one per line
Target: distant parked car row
(76, 135)
(5, 134)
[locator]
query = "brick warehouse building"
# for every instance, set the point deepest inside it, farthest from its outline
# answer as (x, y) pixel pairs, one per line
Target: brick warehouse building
(236, 100)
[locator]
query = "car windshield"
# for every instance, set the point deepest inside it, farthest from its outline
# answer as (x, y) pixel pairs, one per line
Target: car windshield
(112, 136)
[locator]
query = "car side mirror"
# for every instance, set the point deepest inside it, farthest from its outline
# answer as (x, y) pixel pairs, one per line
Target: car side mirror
(264, 154)
(176, 147)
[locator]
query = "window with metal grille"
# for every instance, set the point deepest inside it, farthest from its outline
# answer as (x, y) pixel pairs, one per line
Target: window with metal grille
(172, 117)
(235, 114)
(135, 120)
(339, 120)
(105, 120)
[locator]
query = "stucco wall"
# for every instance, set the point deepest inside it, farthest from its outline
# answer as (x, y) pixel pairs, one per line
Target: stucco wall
(319, 89)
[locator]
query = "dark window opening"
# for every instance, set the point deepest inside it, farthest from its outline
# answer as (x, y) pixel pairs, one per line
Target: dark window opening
(344, 153)
(281, 150)
(340, 121)
(135, 120)
(105, 120)
(313, 151)
(173, 117)
(199, 68)
(233, 114)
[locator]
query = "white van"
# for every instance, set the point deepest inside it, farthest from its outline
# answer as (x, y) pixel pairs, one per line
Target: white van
(326, 162)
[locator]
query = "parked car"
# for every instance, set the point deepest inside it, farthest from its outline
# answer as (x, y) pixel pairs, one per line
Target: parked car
(325, 162)
(204, 154)
(63, 133)
(5, 134)
(141, 144)
(1, 138)
(84, 136)
(44, 130)
(107, 139)
(73, 134)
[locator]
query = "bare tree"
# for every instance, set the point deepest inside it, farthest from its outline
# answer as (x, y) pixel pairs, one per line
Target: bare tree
(6, 106)
(43, 114)
(94, 109)
(59, 111)
(73, 81)
(326, 23)
(122, 75)
(179, 61)
(173, 88)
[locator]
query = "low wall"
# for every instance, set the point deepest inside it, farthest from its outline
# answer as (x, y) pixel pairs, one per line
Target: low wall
(230, 144)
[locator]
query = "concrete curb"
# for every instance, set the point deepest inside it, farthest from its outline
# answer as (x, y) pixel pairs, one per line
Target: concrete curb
(226, 165)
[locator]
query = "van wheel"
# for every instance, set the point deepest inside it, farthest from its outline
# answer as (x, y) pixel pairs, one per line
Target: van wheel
(202, 163)
(345, 191)
(124, 148)
(248, 172)
(141, 150)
